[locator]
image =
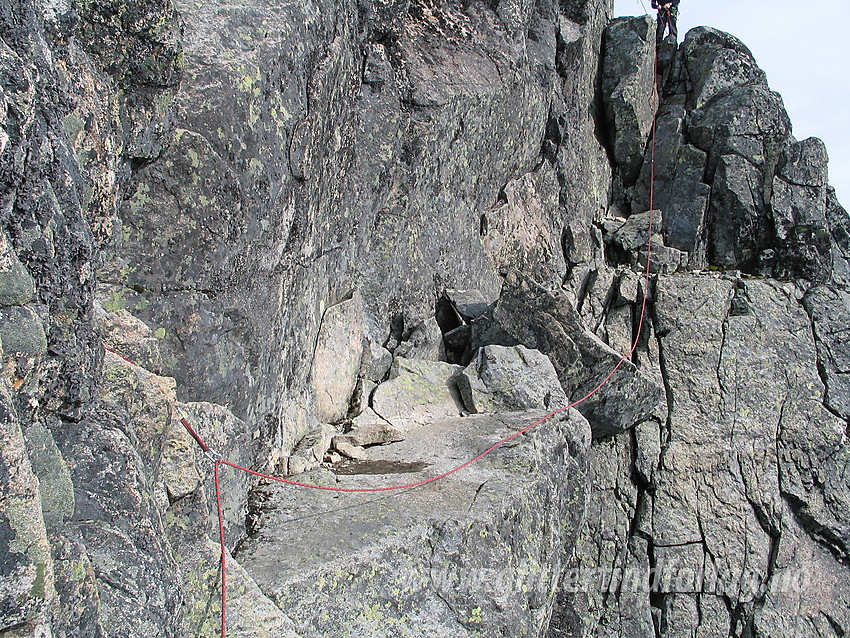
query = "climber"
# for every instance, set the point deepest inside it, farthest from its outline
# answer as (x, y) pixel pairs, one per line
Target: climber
(667, 14)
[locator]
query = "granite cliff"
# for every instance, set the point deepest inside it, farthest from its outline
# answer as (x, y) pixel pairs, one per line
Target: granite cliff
(363, 241)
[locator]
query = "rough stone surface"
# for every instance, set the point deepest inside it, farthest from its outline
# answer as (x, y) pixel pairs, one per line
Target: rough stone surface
(469, 304)
(54, 480)
(417, 393)
(16, 284)
(312, 449)
(627, 71)
(130, 337)
(22, 332)
(476, 554)
(725, 511)
(839, 227)
(634, 232)
(680, 192)
(798, 204)
(375, 432)
(325, 161)
(529, 315)
(829, 310)
(26, 566)
(337, 357)
(349, 450)
(425, 341)
(502, 379)
(737, 190)
(376, 362)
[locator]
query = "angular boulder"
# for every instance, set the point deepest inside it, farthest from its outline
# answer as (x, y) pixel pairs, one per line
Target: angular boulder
(337, 359)
(373, 432)
(628, 89)
(507, 379)
(418, 393)
(529, 315)
(17, 286)
(425, 341)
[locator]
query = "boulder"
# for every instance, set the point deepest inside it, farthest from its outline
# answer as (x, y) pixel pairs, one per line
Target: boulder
(376, 362)
(349, 450)
(17, 286)
(469, 304)
(22, 332)
(374, 431)
(749, 121)
(457, 339)
(130, 337)
(529, 315)
(425, 341)
(634, 233)
(628, 89)
(315, 444)
(337, 359)
(506, 379)
(661, 259)
(418, 393)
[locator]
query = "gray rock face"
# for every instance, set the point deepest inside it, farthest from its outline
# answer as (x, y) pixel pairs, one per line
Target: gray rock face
(726, 486)
(839, 227)
(736, 189)
(799, 205)
(528, 315)
(54, 480)
(418, 392)
(22, 332)
(337, 358)
(501, 379)
(390, 120)
(425, 341)
(16, 284)
(26, 568)
(829, 310)
(476, 554)
(628, 67)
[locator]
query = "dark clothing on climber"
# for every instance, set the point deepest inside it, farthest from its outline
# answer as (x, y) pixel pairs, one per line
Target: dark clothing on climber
(668, 12)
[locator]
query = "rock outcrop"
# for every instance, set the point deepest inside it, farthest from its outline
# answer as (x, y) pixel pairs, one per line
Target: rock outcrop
(362, 242)
(478, 553)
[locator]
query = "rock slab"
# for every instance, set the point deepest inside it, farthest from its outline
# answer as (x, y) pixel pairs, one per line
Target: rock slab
(475, 554)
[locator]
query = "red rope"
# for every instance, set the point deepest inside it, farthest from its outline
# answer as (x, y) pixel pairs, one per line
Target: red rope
(218, 461)
(480, 456)
(223, 548)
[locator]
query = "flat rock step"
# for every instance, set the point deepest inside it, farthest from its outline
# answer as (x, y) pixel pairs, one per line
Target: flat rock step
(478, 553)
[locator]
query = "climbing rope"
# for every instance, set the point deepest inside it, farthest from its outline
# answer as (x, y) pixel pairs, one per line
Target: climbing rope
(218, 461)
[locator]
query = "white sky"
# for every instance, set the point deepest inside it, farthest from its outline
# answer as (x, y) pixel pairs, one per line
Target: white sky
(805, 50)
